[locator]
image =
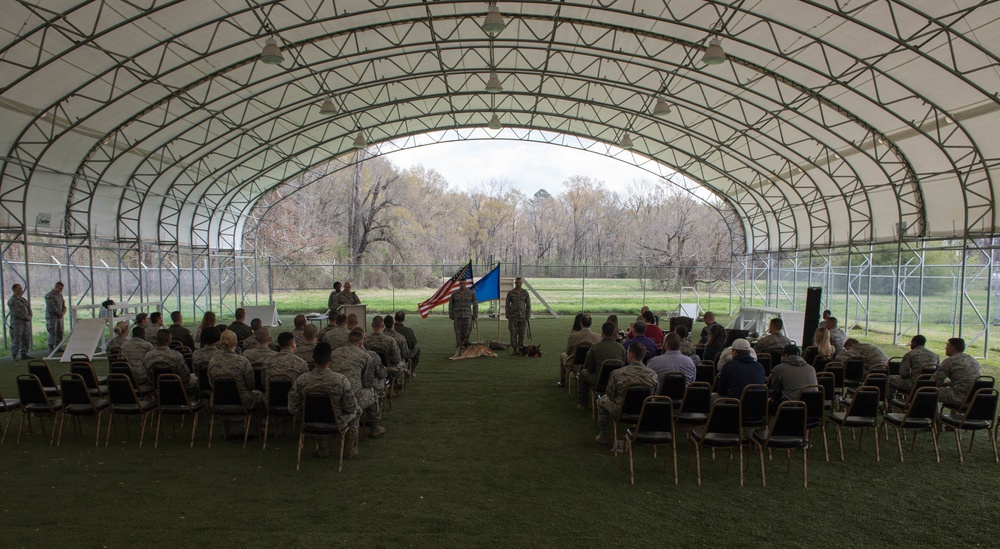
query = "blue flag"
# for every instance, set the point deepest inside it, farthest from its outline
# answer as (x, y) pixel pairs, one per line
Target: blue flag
(487, 288)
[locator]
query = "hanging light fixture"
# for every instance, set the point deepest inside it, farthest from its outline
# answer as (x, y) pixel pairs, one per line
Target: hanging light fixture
(271, 53)
(494, 123)
(493, 85)
(359, 141)
(714, 54)
(661, 108)
(328, 108)
(626, 143)
(493, 25)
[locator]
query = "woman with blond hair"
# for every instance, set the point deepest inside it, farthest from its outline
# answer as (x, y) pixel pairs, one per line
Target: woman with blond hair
(821, 346)
(121, 334)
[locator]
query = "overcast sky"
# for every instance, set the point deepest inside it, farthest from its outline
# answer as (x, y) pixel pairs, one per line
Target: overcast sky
(529, 165)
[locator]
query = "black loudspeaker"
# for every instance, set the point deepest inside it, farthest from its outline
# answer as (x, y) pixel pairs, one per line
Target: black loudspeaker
(813, 313)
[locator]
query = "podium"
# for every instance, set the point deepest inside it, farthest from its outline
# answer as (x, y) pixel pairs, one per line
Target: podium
(361, 310)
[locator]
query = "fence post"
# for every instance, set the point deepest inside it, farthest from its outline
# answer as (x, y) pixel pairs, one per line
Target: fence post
(270, 282)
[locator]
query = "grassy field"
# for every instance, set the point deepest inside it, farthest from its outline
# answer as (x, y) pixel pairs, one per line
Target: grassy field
(479, 453)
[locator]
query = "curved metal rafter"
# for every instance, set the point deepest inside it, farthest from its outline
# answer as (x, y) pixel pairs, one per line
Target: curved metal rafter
(860, 77)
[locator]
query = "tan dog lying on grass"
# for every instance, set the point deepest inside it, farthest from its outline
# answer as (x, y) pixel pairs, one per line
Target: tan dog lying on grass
(473, 351)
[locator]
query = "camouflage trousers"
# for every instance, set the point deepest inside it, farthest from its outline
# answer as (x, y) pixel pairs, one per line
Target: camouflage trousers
(606, 409)
(517, 325)
(463, 329)
(414, 357)
(949, 396)
(368, 401)
(55, 329)
(900, 384)
(20, 337)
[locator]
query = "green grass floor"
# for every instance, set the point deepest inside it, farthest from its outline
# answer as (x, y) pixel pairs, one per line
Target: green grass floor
(479, 453)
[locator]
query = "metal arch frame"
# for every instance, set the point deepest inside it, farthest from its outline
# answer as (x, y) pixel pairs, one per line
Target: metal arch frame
(897, 193)
(755, 15)
(700, 83)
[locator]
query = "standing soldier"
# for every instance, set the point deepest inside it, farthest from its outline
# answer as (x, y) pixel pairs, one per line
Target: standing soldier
(20, 324)
(345, 297)
(462, 309)
(331, 302)
(517, 311)
(55, 310)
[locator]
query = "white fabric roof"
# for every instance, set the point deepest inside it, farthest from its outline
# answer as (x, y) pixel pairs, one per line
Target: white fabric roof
(830, 123)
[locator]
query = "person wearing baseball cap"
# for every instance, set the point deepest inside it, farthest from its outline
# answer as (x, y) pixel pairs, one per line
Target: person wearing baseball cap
(739, 372)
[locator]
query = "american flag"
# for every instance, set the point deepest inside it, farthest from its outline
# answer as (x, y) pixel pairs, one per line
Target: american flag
(443, 294)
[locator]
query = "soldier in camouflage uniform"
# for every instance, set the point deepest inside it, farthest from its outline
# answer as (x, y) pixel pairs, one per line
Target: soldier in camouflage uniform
(239, 326)
(336, 337)
(960, 369)
(155, 325)
(346, 297)
(517, 311)
(331, 324)
(872, 355)
(298, 331)
(114, 345)
(309, 340)
(774, 340)
(227, 362)
(344, 403)
(286, 362)
(634, 372)
(331, 302)
(411, 340)
(134, 351)
(687, 348)
(55, 310)
(209, 348)
(913, 362)
(837, 336)
(386, 347)
(261, 352)
(20, 323)
(353, 362)
(463, 309)
(163, 355)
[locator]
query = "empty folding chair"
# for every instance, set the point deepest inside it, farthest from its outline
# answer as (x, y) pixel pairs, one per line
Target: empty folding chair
(721, 430)
(654, 427)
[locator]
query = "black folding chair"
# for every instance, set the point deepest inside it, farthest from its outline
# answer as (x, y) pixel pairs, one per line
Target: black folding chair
(319, 419)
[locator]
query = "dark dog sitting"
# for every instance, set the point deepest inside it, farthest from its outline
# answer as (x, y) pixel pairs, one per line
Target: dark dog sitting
(533, 350)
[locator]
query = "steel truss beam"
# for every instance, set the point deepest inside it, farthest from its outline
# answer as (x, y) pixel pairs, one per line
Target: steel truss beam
(938, 29)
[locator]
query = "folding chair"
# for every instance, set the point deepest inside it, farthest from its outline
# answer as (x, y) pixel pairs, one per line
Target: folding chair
(722, 430)
(861, 413)
(34, 402)
(921, 415)
(227, 401)
(126, 402)
(319, 418)
(172, 400)
(786, 432)
(655, 426)
(979, 415)
(276, 401)
(78, 402)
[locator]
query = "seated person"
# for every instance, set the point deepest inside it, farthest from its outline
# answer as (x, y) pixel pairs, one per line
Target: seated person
(261, 352)
(789, 377)
(775, 340)
(872, 355)
(609, 403)
(739, 372)
(672, 360)
(607, 348)
(960, 370)
(913, 362)
(577, 338)
(321, 377)
(639, 331)
(227, 362)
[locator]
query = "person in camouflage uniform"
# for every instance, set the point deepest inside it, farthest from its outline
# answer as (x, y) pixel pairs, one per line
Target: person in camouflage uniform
(19, 311)
(286, 362)
(634, 372)
(331, 302)
(961, 371)
(309, 340)
(344, 403)
(337, 336)
(261, 352)
(55, 310)
(872, 355)
(134, 351)
(387, 348)
(774, 340)
(209, 348)
(913, 362)
(227, 362)
(404, 348)
(155, 325)
(163, 355)
(463, 309)
(411, 340)
(837, 336)
(114, 345)
(331, 324)
(346, 297)
(298, 331)
(353, 361)
(687, 348)
(517, 311)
